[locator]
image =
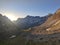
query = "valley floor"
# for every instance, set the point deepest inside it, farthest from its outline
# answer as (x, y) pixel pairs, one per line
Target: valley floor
(19, 40)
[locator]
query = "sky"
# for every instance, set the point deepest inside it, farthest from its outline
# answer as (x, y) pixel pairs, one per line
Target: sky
(22, 8)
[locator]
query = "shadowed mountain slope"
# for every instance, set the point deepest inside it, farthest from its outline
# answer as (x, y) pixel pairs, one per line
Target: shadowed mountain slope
(31, 21)
(7, 27)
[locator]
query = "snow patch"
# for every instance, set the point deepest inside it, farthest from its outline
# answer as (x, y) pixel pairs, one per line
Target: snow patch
(13, 36)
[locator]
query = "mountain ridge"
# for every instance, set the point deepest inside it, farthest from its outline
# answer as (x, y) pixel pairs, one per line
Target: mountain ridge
(51, 24)
(31, 21)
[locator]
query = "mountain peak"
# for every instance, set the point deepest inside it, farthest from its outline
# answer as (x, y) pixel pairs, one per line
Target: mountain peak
(58, 11)
(28, 16)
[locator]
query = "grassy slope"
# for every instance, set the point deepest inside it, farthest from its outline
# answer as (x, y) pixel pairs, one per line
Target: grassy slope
(20, 41)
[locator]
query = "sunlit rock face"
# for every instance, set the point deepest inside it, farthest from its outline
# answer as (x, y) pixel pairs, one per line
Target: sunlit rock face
(51, 25)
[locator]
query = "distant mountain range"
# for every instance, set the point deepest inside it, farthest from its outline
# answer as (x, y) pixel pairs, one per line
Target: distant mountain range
(31, 21)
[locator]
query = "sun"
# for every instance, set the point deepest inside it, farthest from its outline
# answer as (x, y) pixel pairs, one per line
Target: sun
(11, 16)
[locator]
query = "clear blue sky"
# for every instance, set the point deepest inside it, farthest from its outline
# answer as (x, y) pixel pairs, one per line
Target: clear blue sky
(23, 8)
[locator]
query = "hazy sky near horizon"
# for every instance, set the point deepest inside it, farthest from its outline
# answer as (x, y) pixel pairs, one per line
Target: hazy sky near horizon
(22, 8)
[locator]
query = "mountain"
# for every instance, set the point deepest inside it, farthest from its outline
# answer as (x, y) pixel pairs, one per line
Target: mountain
(40, 30)
(31, 21)
(7, 28)
(51, 25)
(11, 29)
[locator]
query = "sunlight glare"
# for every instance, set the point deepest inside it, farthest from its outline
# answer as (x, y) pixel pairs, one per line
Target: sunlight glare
(11, 16)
